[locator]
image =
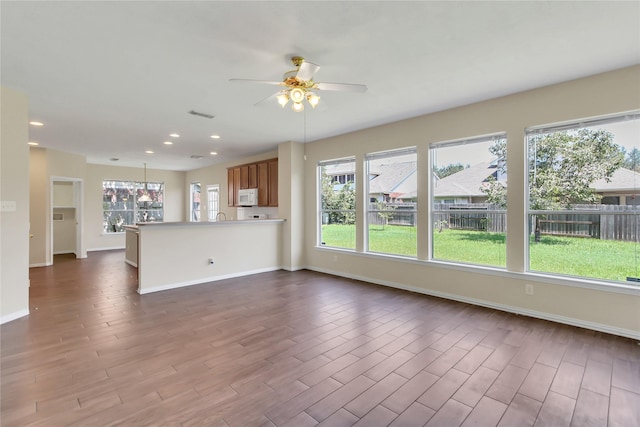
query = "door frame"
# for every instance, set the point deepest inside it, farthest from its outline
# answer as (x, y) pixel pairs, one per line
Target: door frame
(78, 201)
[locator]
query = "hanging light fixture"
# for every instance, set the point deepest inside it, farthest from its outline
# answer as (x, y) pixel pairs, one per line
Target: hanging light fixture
(145, 198)
(297, 95)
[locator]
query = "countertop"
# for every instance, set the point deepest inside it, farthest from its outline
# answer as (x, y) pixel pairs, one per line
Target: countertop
(203, 223)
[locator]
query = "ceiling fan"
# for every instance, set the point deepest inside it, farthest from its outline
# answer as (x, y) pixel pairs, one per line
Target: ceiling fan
(299, 85)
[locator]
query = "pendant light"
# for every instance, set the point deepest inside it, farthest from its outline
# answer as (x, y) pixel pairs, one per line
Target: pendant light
(145, 198)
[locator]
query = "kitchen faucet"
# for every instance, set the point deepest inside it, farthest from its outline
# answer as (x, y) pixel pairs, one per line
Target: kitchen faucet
(218, 216)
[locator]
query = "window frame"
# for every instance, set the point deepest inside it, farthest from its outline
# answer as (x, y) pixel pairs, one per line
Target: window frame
(133, 187)
(433, 223)
(321, 211)
(369, 157)
(529, 213)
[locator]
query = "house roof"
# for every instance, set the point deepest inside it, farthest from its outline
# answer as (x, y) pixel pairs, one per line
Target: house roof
(469, 181)
(622, 180)
(399, 178)
(465, 183)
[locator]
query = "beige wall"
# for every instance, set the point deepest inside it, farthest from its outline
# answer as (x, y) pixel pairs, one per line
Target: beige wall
(570, 301)
(14, 188)
(39, 202)
(291, 166)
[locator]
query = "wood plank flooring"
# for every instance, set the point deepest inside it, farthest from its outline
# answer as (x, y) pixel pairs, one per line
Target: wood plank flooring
(296, 349)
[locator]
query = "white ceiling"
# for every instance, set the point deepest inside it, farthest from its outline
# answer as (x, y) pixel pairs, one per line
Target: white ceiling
(115, 78)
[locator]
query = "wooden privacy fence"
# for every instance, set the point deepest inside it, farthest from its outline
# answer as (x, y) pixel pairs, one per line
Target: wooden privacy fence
(393, 214)
(605, 222)
(470, 216)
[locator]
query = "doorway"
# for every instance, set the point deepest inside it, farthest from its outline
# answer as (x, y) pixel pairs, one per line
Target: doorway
(66, 217)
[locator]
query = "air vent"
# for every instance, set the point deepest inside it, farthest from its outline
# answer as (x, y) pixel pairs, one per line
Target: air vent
(205, 115)
(195, 156)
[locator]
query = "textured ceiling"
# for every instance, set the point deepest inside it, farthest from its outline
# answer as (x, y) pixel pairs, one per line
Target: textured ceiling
(113, 79)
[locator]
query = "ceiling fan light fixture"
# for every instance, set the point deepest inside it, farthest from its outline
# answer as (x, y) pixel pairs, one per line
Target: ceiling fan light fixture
(297, 95)
(297, 107)
(313, 99)
(283, 99)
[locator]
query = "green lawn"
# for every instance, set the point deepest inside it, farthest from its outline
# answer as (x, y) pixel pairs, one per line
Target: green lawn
(584, 257)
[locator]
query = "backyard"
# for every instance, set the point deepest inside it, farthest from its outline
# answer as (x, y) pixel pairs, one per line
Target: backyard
(573, 256)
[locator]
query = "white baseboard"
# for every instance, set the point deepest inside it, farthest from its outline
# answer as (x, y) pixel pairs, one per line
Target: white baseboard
(294, 268)
(205, 280)
(40, 264)
(629, 333)
(113, 248)
(13, 316)
(131, 263)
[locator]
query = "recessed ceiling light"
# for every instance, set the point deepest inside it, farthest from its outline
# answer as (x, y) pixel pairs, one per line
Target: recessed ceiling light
(215, 136)
(33, 143)
(149, 152)
(174, 135)
(213, 153)
(33, 123)
(168, 143)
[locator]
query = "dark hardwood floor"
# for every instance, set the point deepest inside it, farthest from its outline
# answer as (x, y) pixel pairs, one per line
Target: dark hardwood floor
(296, 349)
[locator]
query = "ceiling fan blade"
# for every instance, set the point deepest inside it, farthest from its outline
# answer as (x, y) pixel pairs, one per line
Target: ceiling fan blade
(306, 71)
(268, 82)
(269, 100)
(344, 87)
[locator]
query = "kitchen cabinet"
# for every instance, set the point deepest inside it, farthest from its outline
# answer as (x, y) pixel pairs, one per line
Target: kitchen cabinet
(262, 175)
(253, 176)
(273, 182)
(244, 177)
(231, 198)
(263, 184)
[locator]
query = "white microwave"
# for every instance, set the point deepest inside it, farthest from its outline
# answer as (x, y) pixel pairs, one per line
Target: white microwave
(248, 197)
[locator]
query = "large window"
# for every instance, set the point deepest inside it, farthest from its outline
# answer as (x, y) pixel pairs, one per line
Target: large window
(391, 202)
(469, 189)
(337, 190)
(128, 202)
(583, 213)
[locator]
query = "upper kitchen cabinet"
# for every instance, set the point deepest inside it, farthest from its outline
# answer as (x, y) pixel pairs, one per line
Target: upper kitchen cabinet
(262, 175)
(273, 182)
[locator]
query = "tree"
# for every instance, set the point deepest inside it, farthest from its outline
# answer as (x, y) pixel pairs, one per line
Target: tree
(632, 160)
(338, 201)
(385, 212)
(448, 169)
(562, 167)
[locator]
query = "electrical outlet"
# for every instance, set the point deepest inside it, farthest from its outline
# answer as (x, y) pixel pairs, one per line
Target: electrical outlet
(211, 261)
(528, 289)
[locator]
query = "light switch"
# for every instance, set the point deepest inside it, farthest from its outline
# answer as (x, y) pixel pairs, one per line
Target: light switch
(8, 206)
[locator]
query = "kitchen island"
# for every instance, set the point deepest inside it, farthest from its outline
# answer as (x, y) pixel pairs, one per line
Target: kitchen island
(177, 254)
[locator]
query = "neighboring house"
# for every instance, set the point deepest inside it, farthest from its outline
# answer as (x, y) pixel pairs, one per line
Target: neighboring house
(622, 189)
(397, 183)
(465, 186)
(393, 183)
(340, 174)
